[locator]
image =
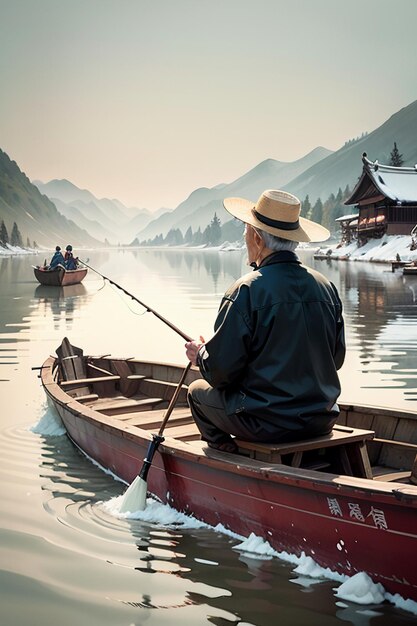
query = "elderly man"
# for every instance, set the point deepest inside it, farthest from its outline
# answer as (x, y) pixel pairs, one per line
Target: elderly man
(270, 369)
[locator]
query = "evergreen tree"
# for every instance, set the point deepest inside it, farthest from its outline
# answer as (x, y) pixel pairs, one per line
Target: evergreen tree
(396, 159)
(198, 237)
(215, 231)
(206, 234)
(317, 211)
(35, 245)
(305, 207)
(346, 193)
(16, 237)
(188, 237)
(4, 235)
(28, 243)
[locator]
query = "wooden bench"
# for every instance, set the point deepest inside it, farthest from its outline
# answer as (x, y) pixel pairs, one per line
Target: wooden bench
(73, 373)
(121, 406)
(343, 450)
(129, 382)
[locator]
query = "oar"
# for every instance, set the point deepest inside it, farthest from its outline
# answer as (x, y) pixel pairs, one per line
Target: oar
(148, 308)
(134, 498)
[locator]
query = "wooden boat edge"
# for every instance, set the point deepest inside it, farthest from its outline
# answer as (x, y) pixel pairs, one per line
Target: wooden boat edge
(235, 464)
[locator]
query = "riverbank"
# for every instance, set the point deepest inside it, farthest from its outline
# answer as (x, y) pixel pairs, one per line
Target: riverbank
(384, 250)
(9, 250)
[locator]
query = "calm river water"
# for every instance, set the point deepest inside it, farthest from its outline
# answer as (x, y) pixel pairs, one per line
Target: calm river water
(64, 560)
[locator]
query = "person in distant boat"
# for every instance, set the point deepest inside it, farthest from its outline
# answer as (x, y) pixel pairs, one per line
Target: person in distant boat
(57, 259)
(71, 263)
(270, 369)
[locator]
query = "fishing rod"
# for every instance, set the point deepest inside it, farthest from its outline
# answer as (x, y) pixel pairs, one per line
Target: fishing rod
(145, 306)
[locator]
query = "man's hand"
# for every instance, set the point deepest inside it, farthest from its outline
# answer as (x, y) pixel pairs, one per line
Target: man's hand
(192, 348)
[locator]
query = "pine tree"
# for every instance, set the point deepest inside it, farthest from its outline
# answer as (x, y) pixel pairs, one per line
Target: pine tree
(305, 207)
(206, 234)
(198, 237)
(188, 237)
(396, 159)
(28, 243)
(317, 211)
(16, 237)
(215, 230)
(4, 235)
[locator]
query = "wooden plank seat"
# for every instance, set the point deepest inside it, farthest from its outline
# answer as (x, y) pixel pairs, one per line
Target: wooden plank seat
(344, 449)
(82, 382)
(152, 420)
(87, 398)
(164, 389)
(73, 373)
(129, 382)
(119, 405)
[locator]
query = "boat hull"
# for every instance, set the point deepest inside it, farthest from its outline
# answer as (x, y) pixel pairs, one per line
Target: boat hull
(59, 277)
(346, 524)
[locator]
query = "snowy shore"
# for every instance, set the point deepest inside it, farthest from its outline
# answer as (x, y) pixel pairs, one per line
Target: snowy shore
(382, 250)
(9, 250)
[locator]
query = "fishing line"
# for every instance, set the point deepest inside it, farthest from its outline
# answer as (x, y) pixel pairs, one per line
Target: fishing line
(148, 308)
(125, 302)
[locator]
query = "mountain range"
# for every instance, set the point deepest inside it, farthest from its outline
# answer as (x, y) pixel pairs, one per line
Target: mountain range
(318, 174)
(59, 211)
(102, 217)
(35, 215)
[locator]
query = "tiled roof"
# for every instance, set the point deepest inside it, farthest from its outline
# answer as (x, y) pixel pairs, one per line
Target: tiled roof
(396, 183)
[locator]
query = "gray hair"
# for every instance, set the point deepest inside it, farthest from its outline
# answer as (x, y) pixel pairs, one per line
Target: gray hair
(276, 243)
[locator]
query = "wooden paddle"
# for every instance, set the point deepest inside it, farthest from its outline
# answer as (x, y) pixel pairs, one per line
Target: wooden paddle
(134, 498)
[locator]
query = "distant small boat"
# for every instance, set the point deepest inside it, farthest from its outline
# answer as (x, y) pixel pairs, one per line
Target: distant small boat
(59, 276)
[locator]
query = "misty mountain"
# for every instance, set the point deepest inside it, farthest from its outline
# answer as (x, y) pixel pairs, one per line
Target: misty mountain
(35, 215)
(344, 166)
(101, 230)
(102, 217)
(198, 209)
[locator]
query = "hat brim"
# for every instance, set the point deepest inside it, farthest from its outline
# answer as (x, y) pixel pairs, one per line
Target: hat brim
(307, 231)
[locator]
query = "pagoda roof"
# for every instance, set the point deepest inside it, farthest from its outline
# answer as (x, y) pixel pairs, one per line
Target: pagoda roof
(396, 183)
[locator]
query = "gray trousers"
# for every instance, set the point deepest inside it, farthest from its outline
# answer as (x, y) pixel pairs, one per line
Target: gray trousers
(215, 425)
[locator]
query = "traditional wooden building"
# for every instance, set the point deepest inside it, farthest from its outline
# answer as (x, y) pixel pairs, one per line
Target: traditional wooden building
(386, 198)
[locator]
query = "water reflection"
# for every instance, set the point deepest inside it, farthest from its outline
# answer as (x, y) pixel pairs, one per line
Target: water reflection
(61, 302)
(381, 312)
(186, 286)
(209, 269)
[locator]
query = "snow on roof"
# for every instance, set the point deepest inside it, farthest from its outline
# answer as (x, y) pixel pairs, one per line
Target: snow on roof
(396, 183)
(345, 218)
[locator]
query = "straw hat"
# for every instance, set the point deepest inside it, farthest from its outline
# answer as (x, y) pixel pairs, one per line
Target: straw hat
(278, 213)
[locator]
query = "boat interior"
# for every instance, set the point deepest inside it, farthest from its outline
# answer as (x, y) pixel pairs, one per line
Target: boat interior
(367, 442)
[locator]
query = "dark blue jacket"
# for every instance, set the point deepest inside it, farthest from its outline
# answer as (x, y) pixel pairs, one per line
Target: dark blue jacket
(57, 259)
(277, 346)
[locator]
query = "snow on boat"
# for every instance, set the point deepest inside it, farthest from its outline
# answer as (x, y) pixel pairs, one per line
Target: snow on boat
(346, 499)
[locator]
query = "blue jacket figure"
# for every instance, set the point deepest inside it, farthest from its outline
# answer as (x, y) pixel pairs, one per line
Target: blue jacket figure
(57, 259)
(70, 261)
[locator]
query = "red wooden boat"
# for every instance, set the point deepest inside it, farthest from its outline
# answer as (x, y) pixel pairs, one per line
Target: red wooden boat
(59, 276)
(347, 499)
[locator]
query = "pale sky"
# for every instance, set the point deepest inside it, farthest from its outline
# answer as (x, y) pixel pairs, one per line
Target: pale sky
(147, 100)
